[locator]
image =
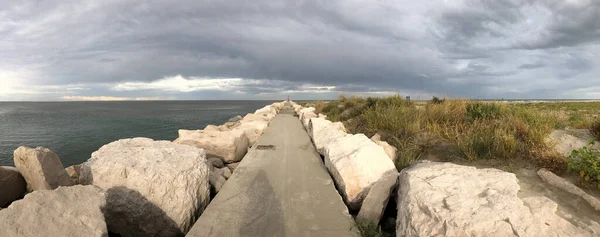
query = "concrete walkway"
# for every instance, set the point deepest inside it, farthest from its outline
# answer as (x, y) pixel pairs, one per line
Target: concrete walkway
(278, 191)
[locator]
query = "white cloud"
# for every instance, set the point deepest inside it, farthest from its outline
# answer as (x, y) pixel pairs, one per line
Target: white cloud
(106, 98)
(180, 84)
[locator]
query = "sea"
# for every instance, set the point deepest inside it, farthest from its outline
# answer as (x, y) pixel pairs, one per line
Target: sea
(74, 130)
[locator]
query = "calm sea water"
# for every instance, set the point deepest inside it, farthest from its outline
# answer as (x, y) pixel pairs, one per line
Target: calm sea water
(76, 129)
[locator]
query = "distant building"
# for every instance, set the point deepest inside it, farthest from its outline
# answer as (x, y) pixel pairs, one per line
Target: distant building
(408, 98)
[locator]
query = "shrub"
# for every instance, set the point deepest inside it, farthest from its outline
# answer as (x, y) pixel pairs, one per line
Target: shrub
(369, 229)
(319, 107)
(595, 129)
(483, 110)
(586, 162)
(436, 100)
(578, 120)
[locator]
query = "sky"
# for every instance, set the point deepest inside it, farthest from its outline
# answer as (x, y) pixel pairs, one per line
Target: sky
(269, 49)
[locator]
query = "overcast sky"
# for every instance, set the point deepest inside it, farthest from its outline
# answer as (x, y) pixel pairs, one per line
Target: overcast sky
(193, 49)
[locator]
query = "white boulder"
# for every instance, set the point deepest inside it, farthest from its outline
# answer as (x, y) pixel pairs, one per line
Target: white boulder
(252, 130)
(154, 188)
(356, 163)
(389, 149)
(305, 110)
(376, 201)
(231, 146)
(256, 118)
(41, 168)
(444, 199)
(212, 128)
(266, 110)
(567, 186)
(305, 118)
(66, 211)
(278, 105)
(322, 132)
(12, 185)
(340, 126)
(297, 107)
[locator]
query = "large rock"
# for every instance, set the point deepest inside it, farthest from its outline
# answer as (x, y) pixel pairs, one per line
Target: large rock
(235, 119)
(305, 110)
(305, 118)
(266, 110)
(215, 162)
(278, 105)
(389, 149)
(231, 123)
(213, 128)
(41, 168)
(226, 172)
(233, 166)
(444, 199)
(297, 107)
(253, 126)
(252, 130)
(217, 180)
(356, 163)
(154, 188)
(73, 172)
(12, 185)
(567, 186)
(376, 201)
(66, 211)
(230, 146)
(322, 132)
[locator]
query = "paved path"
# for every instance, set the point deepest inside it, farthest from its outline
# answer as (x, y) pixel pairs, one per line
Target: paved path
(284, 191)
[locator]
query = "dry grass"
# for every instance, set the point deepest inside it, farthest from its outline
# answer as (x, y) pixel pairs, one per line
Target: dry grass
(472, 129)
(369, 229)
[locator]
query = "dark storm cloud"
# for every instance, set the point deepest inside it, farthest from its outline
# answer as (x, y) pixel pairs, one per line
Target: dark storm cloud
(470, 48)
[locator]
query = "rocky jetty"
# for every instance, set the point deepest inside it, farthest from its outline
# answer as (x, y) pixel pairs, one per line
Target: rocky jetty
(356, 163)
(142, 187)
(227, 144)
(133, 187)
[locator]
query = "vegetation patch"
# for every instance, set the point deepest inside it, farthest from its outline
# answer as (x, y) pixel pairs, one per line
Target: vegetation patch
(369, 229)
(595, 129)
(586, 162)
(469, 129)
